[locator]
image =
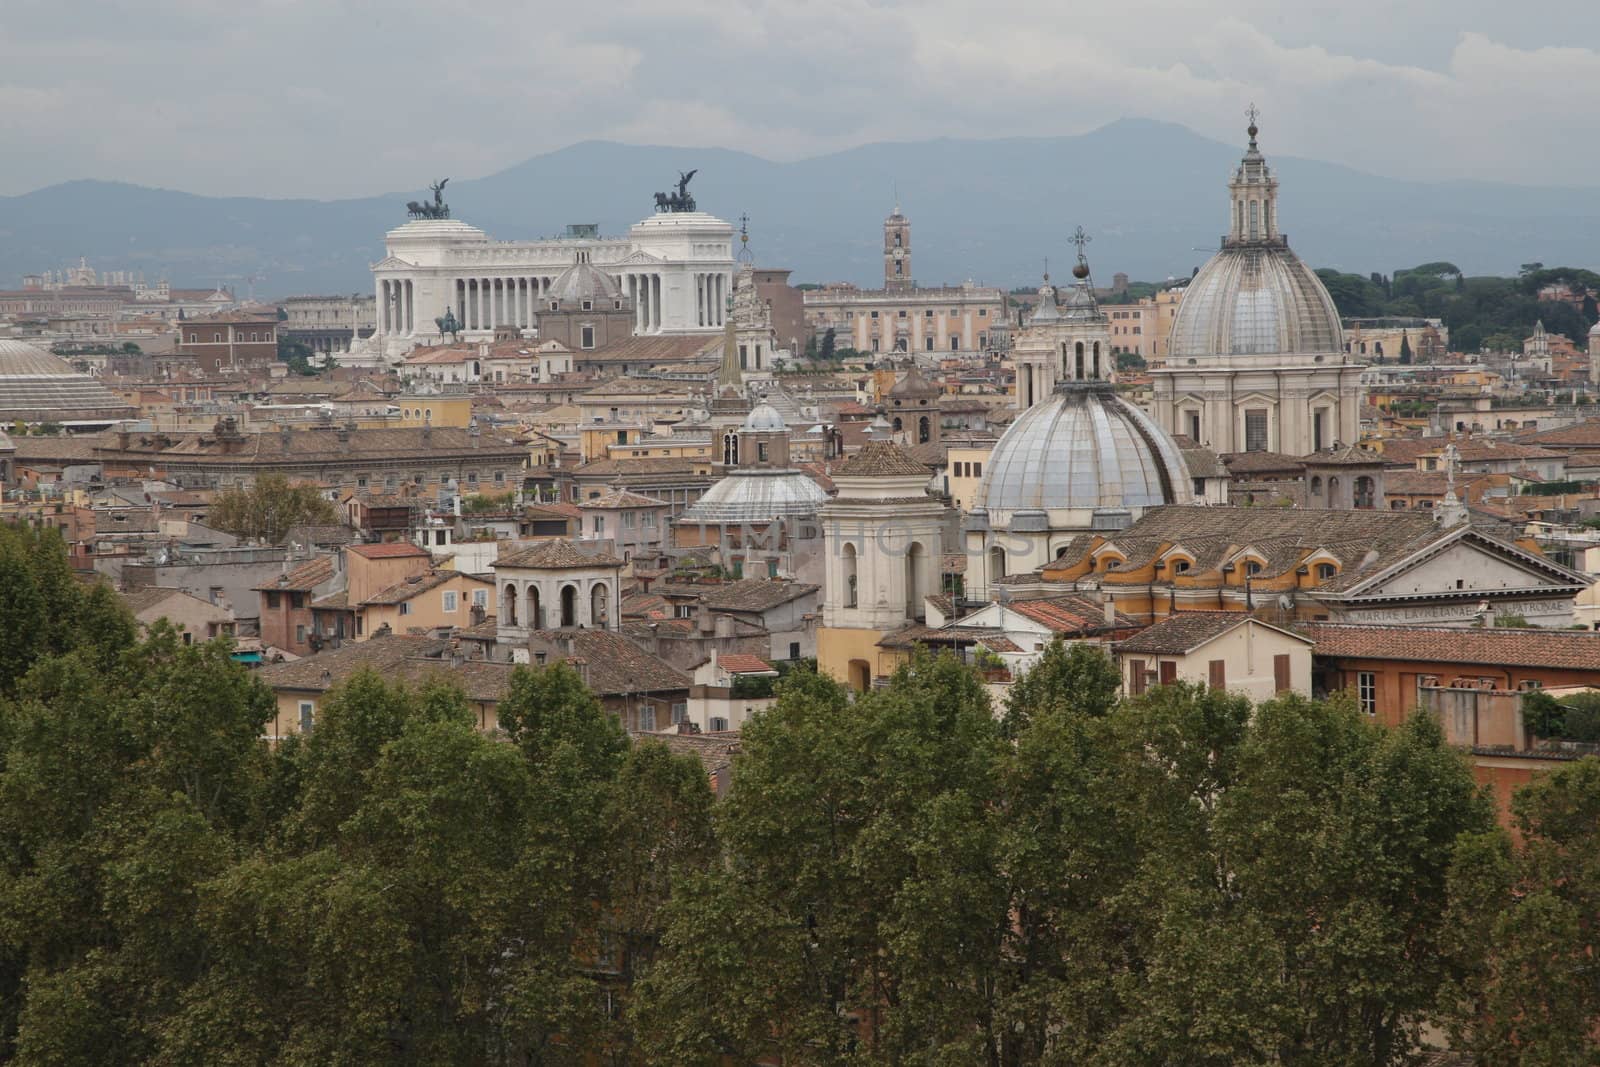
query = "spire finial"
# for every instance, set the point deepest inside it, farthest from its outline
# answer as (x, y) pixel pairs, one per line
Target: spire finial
(1252, 113)
(1047, 270)
(744, 237)
(1081, 238)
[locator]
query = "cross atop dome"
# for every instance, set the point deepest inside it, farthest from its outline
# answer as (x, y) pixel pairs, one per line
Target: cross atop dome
(1252, 113)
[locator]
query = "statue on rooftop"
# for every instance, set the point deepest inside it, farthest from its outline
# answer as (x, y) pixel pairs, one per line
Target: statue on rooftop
(680, 200)
(436, 210)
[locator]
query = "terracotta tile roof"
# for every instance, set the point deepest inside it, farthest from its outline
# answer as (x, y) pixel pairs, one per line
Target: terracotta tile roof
(999, 643)
(1245, 464)
(1344, 456)
(1571, 649)
(749, 594)
(382, 654)
(669, 349)
(303, 578)
(1584, 435)
(611, 664)
(880, 459)
(300, 446)
(390, 550)
(1067, 614)
(554, 555)
(417, 584)
(1186, 631)
(716, 752)
(740, 663)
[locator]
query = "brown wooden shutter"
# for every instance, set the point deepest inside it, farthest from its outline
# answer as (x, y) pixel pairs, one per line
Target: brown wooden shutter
(1135, 677)
(1169, 672)
(1219, 674)
(1280, 674)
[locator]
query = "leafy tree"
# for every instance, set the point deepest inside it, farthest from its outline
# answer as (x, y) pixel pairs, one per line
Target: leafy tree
(1524, 915)
(268, 509)
(828, 350)
(1405, 348)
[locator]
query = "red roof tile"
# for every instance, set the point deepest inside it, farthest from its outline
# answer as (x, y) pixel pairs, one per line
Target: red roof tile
(392, 550)
(740, 663)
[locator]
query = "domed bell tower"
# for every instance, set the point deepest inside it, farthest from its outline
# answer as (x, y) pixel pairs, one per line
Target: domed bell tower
(1067, 338)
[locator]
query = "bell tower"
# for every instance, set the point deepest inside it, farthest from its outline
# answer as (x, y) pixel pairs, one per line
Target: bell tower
(897, 251)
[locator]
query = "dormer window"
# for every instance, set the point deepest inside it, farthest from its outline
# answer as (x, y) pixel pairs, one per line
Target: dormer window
(1251, 568)
(588, 305)
(1326, 571)
(1180, 566)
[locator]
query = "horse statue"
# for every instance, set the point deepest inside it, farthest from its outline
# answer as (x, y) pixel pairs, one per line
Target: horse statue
(416, 210)
(447, 324)
(680, 200)
(436, 210)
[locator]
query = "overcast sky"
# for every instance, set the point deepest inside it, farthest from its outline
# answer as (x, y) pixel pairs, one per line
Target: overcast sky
(341, 98)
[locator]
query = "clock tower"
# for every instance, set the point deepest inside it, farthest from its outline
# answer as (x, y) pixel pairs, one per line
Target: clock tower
(897, 252)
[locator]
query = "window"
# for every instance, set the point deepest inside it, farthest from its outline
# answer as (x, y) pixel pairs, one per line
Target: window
(308, 716)
(300, 635)
(1136, 677)
(649, 520)
(718, 724)
(902, 313)
(405, 607)
(440, 537)
(451, 602)
(1251, 568)
(1217, 674)
(1280, 674)
(472, 477)
(928, 313)
(680, 712)
(587, 305)
(647, 718)
(874, 314)
(1180, 566)
(272, 601)
(683, 611)
(1168, 672)
(1326, 571)
(586, 337)
(1367, 691)
(794, 649)
(480, 598)
(1199, 487)
(1255, 430)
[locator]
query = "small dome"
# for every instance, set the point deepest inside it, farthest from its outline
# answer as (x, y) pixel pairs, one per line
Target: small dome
(764, 418)
(1083, 447)
(1255, 299)
(580, 282)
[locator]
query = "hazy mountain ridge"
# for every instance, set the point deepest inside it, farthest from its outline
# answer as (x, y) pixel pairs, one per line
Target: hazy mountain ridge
(1152, 194)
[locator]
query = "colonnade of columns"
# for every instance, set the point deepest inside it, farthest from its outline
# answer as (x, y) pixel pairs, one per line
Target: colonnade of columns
(484, 303)
(645, 292)
(397, 306)
(711, 299)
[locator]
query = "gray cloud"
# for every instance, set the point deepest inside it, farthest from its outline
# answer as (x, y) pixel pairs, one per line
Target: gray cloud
(348, 97)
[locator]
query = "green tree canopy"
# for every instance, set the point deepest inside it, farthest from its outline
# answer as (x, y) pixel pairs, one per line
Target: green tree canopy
(267, 510)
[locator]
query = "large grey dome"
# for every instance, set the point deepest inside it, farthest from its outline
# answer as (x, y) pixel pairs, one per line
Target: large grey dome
(760, 495)
(1254, 299)
(1083, 448)
(36, 386)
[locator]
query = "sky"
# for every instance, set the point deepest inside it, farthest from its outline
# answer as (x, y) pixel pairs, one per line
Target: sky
(335, 98)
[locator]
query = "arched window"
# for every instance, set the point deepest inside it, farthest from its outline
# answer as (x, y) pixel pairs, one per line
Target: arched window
(924, 431)
(997, 564)
(848, 554)
(730, 449)
(1251, 568)
(1078, 360)
(569, 605)
(535, 610)
(1316, 485)
(598, 602)
(1326, 571)
(509, 604)
(1097, 360)
(898, 425)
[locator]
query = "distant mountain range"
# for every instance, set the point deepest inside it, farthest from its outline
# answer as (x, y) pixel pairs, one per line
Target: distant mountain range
(1152, 194)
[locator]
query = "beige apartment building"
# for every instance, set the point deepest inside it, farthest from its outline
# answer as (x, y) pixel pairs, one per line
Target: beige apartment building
(1142, 329)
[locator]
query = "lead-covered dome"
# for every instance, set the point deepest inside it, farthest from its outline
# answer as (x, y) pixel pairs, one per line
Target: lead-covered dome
(757, 495)
(1254, 300)
(36, 386)
(580, 282)
(1082, 448)
(1254, 297)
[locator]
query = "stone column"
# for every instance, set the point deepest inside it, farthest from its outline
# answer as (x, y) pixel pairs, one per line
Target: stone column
(378, 296)
(411, 307)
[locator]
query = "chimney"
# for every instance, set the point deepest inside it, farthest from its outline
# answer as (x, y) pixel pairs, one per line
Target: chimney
(1111, 611)
(427, 429)
(283, 438)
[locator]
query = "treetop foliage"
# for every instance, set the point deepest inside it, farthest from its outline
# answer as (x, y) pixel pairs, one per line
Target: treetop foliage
(895, 877)
(267, 510)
